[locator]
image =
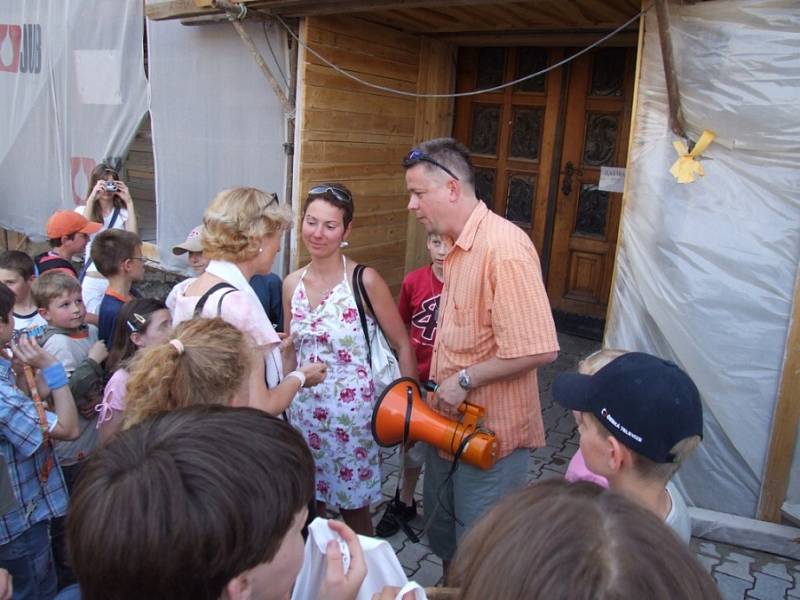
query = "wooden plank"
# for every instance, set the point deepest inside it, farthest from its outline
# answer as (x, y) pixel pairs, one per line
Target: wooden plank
(373, 32)
(323, 98)
(785, 419)
(324, 76)
(340, 120)
(553, 39)
(300, 8)
(352, 152)
(434, 118)
(357, 62)
(357, 136)
(174, 9)
(326, 37)
(631, 132)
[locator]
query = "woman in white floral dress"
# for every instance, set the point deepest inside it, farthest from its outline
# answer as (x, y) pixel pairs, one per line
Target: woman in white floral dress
(322, 318)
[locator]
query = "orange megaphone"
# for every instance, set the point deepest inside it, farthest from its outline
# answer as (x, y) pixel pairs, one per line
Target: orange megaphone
(401, 415)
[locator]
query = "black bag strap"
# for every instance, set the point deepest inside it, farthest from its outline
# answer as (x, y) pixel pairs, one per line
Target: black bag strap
(358, 287)
(201, 303)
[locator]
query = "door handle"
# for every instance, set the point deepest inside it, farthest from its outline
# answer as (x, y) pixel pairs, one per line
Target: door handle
(569, 171)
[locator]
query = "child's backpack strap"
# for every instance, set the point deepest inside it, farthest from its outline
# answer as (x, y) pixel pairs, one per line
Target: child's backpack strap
(201, 303)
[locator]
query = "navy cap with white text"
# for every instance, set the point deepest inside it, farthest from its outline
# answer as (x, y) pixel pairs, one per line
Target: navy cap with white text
(647, 403)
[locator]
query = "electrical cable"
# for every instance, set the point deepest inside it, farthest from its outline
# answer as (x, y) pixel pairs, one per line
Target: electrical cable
(461, 94)
(264, 28)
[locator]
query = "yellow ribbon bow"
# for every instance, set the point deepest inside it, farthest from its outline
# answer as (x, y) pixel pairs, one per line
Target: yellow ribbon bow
(686, 168)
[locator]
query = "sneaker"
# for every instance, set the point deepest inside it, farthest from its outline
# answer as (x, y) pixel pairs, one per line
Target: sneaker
(395, 511)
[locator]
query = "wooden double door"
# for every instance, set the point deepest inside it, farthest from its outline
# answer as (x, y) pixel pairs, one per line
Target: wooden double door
(538, 148)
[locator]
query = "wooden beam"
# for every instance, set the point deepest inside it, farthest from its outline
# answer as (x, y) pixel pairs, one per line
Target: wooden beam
(550, 38)
(673, 93)
(785, 421)
(162, 10)
(304, 8)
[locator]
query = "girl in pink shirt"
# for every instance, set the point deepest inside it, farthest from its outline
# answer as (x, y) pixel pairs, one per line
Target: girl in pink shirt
(141, 322)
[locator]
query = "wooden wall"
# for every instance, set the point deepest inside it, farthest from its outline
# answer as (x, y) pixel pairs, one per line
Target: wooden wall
(357, 135)
(139, 174)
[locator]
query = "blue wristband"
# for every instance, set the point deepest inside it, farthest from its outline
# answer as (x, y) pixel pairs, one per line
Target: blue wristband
(55, 376)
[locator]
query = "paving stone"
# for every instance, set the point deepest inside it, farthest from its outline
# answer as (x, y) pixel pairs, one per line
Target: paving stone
(709, 562)
(776, 569)
(731, 588)
(429, 573)
(769, 588)
(736, 565)
(707, 548)
(412, 553)
(794, 592)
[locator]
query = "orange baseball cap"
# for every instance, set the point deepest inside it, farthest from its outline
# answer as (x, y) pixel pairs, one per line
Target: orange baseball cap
(67, 222)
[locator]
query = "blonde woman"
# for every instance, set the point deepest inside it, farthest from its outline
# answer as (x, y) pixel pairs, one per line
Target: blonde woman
(205, 361)
(242, 233)
(321, 314)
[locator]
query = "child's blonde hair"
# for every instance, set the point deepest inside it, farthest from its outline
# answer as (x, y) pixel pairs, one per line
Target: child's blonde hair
(597, 360)
(52, 284)
(644, 467)
(209, 369)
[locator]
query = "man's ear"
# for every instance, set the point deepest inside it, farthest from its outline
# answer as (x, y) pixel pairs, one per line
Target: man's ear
(454, 187)
(238, 588)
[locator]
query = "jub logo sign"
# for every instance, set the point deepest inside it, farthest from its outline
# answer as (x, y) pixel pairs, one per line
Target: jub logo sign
(21, 48)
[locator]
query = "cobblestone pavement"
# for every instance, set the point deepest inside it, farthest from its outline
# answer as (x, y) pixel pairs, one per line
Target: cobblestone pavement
(740, 573)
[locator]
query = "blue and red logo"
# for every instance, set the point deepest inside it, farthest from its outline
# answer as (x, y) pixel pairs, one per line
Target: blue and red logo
(21, 48)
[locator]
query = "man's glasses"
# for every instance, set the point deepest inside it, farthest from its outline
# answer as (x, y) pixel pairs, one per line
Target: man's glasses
(338, 193)
(418, 156)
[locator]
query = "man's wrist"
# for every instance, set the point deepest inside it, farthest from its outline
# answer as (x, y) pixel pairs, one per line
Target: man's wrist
(464, 380)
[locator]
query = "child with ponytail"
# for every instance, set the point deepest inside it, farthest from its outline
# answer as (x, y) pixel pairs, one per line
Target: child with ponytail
(207, 361)
(142, 322)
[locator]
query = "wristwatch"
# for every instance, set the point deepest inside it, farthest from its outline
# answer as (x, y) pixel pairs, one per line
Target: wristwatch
(463, 379)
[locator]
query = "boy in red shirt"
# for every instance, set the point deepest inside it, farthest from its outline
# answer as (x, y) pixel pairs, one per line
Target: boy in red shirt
(419, 308)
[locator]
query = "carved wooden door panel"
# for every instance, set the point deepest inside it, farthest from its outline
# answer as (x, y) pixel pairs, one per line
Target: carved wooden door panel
(510, 133)
(538, 148)
(586, 218)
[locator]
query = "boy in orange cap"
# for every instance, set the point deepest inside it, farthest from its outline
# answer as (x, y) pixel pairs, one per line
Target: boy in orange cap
(67, 234)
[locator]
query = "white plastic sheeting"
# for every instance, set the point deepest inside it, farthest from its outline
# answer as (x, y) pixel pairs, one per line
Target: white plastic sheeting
(216, 121)
(72, 92)
(705, 271)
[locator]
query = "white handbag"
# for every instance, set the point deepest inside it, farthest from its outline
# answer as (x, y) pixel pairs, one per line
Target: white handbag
(382, 359)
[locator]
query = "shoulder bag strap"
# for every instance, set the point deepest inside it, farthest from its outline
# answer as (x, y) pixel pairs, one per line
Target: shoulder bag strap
(198, 308)
(114, 216)
(358, 283)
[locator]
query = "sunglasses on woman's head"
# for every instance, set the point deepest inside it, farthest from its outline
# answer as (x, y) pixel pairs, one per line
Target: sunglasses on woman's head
(417, 156)
(338, 193)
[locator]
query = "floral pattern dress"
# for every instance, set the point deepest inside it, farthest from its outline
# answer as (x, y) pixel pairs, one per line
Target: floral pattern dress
(335, 416)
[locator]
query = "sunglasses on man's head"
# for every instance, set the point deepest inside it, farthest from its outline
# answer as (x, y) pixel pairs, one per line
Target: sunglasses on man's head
(417, 156)
(338, 193)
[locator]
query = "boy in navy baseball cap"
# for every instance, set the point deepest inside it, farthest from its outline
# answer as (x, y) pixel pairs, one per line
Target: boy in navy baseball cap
(638, 417)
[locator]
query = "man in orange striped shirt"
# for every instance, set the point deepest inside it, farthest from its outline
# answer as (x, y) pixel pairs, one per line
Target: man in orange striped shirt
(495, 329)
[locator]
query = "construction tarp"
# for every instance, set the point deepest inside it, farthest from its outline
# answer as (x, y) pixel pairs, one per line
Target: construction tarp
(72, 92)
(216, 121)
(705, 271)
